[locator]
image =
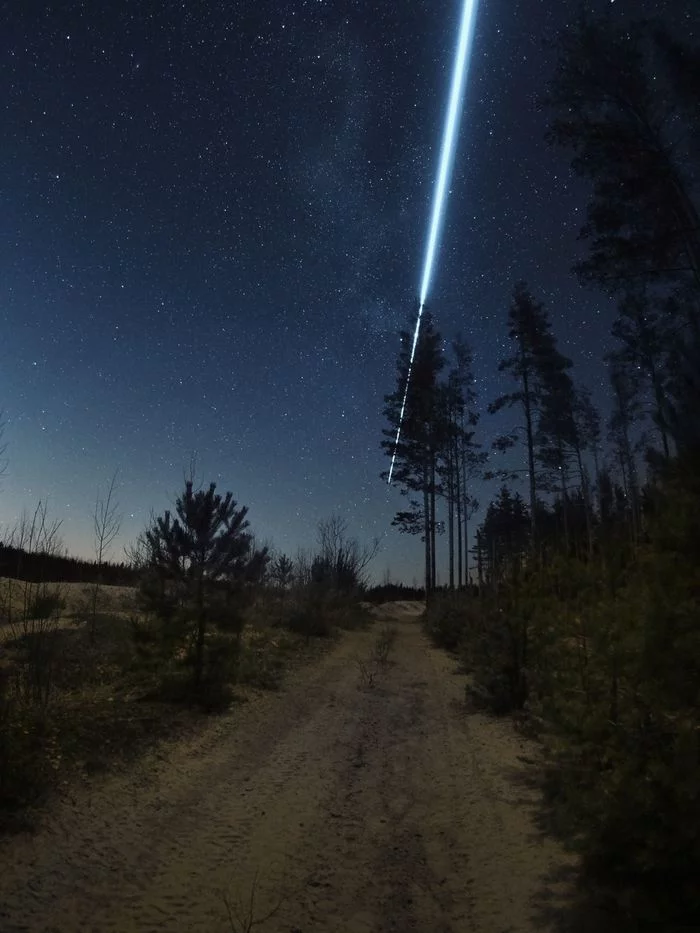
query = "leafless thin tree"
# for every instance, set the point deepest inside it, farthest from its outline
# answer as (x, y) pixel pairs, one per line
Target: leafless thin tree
(107, 522)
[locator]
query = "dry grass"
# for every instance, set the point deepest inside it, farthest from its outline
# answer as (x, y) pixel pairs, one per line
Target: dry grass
(108, 704)
(113, 600)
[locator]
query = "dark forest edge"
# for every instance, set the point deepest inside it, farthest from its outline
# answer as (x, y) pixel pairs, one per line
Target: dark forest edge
(598, 656)
(578, 607)
(26, 565)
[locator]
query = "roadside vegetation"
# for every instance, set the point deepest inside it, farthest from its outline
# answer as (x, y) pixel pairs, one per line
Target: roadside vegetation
(598, 655)
(92, 674)
(574, 603)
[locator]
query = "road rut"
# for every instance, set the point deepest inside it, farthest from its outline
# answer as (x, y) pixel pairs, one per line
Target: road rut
(347, 806)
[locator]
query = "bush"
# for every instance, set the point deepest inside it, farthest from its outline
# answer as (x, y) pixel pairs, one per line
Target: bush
(385, 641)
(307, 620)
(445, 621)
(262, 659)
(222, 655)
(492, 639)
(24, 764)
(613, 662)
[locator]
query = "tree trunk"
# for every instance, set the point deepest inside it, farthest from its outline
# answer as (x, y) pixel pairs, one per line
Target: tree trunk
(433, 575)
(586, 500)
(479, 562)
(451, 523)
(466, 549)
(689, 222)
(527, 402)
(458, 480)
(659, 399)
(565, 510)
(596, 467)
(201, 631)
(466, 519)
(426, 532)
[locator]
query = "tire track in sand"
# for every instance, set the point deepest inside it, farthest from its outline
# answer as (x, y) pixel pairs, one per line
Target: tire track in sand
(365, 809)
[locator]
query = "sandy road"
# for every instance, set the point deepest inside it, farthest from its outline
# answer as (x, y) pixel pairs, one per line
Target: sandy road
(363, 809)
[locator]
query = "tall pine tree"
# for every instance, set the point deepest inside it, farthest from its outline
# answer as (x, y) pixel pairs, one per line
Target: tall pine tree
(422, 433)
(530, 333)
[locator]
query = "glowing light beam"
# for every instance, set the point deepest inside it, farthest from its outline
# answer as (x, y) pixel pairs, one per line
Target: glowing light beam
(447, 152)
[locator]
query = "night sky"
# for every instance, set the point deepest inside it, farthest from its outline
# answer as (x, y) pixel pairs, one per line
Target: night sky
(212, 220)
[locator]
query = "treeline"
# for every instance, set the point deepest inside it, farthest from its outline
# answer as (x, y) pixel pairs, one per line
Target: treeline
(393, 592)
(210, 609)
(39, 567)
(624, 101)
(586, 616)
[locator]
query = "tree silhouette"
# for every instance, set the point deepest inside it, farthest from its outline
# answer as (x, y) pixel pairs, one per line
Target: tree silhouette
(613, 109)
(203, 554)
(646, 341)
(282, 571)
(529, 329)
(460, 457)
(422, 431)
(504, 536)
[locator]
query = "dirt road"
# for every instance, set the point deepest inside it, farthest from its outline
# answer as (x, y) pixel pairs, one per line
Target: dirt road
(360, 808)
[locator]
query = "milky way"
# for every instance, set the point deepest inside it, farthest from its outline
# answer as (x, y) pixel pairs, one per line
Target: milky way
(213, 218)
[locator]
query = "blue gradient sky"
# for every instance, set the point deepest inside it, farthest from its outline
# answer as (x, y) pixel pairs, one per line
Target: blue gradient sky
(211, 225)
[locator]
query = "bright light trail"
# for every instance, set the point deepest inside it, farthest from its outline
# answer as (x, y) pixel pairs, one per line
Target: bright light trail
(449, 140)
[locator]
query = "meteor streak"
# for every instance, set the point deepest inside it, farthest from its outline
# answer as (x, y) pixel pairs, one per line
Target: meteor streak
(449, 139)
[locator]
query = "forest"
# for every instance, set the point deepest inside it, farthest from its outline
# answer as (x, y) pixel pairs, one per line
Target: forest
(574, 604)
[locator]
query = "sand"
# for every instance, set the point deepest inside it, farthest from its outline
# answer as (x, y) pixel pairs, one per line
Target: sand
(347, 807)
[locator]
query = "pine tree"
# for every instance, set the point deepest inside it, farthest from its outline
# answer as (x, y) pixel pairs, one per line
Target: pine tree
(204, 552)
(504, 536)
(624, 415)
(422, 431)
(680, 414)
(588, 428)
(460, 458)
(282, 571)
(614, 110)
(682, 65)
(529, 330)
(646, 338)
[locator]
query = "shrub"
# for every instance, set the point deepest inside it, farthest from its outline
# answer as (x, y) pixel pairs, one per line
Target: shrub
(262, 660)
(385, 641)
(24, 765)
(445, 621)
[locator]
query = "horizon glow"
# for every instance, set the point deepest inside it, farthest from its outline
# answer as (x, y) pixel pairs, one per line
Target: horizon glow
(447, 152)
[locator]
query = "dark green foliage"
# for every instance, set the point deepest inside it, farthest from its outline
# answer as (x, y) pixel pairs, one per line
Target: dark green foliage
(394, 592)
(24, 765)
(679, 415)
(197, 577)
(544, 396)
(46, 605)
(504, 536)
(308, 618)
(604, 655)
(445, 622)
(619, 112)
(282, 571)
(317, 611)
(422, 434)
(492, 637)
(436, 456)
(586, 621)
(21, 564)
(334, 572)
(263, 658)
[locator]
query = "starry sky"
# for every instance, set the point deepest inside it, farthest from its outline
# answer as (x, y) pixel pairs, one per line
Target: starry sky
(212, 220)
